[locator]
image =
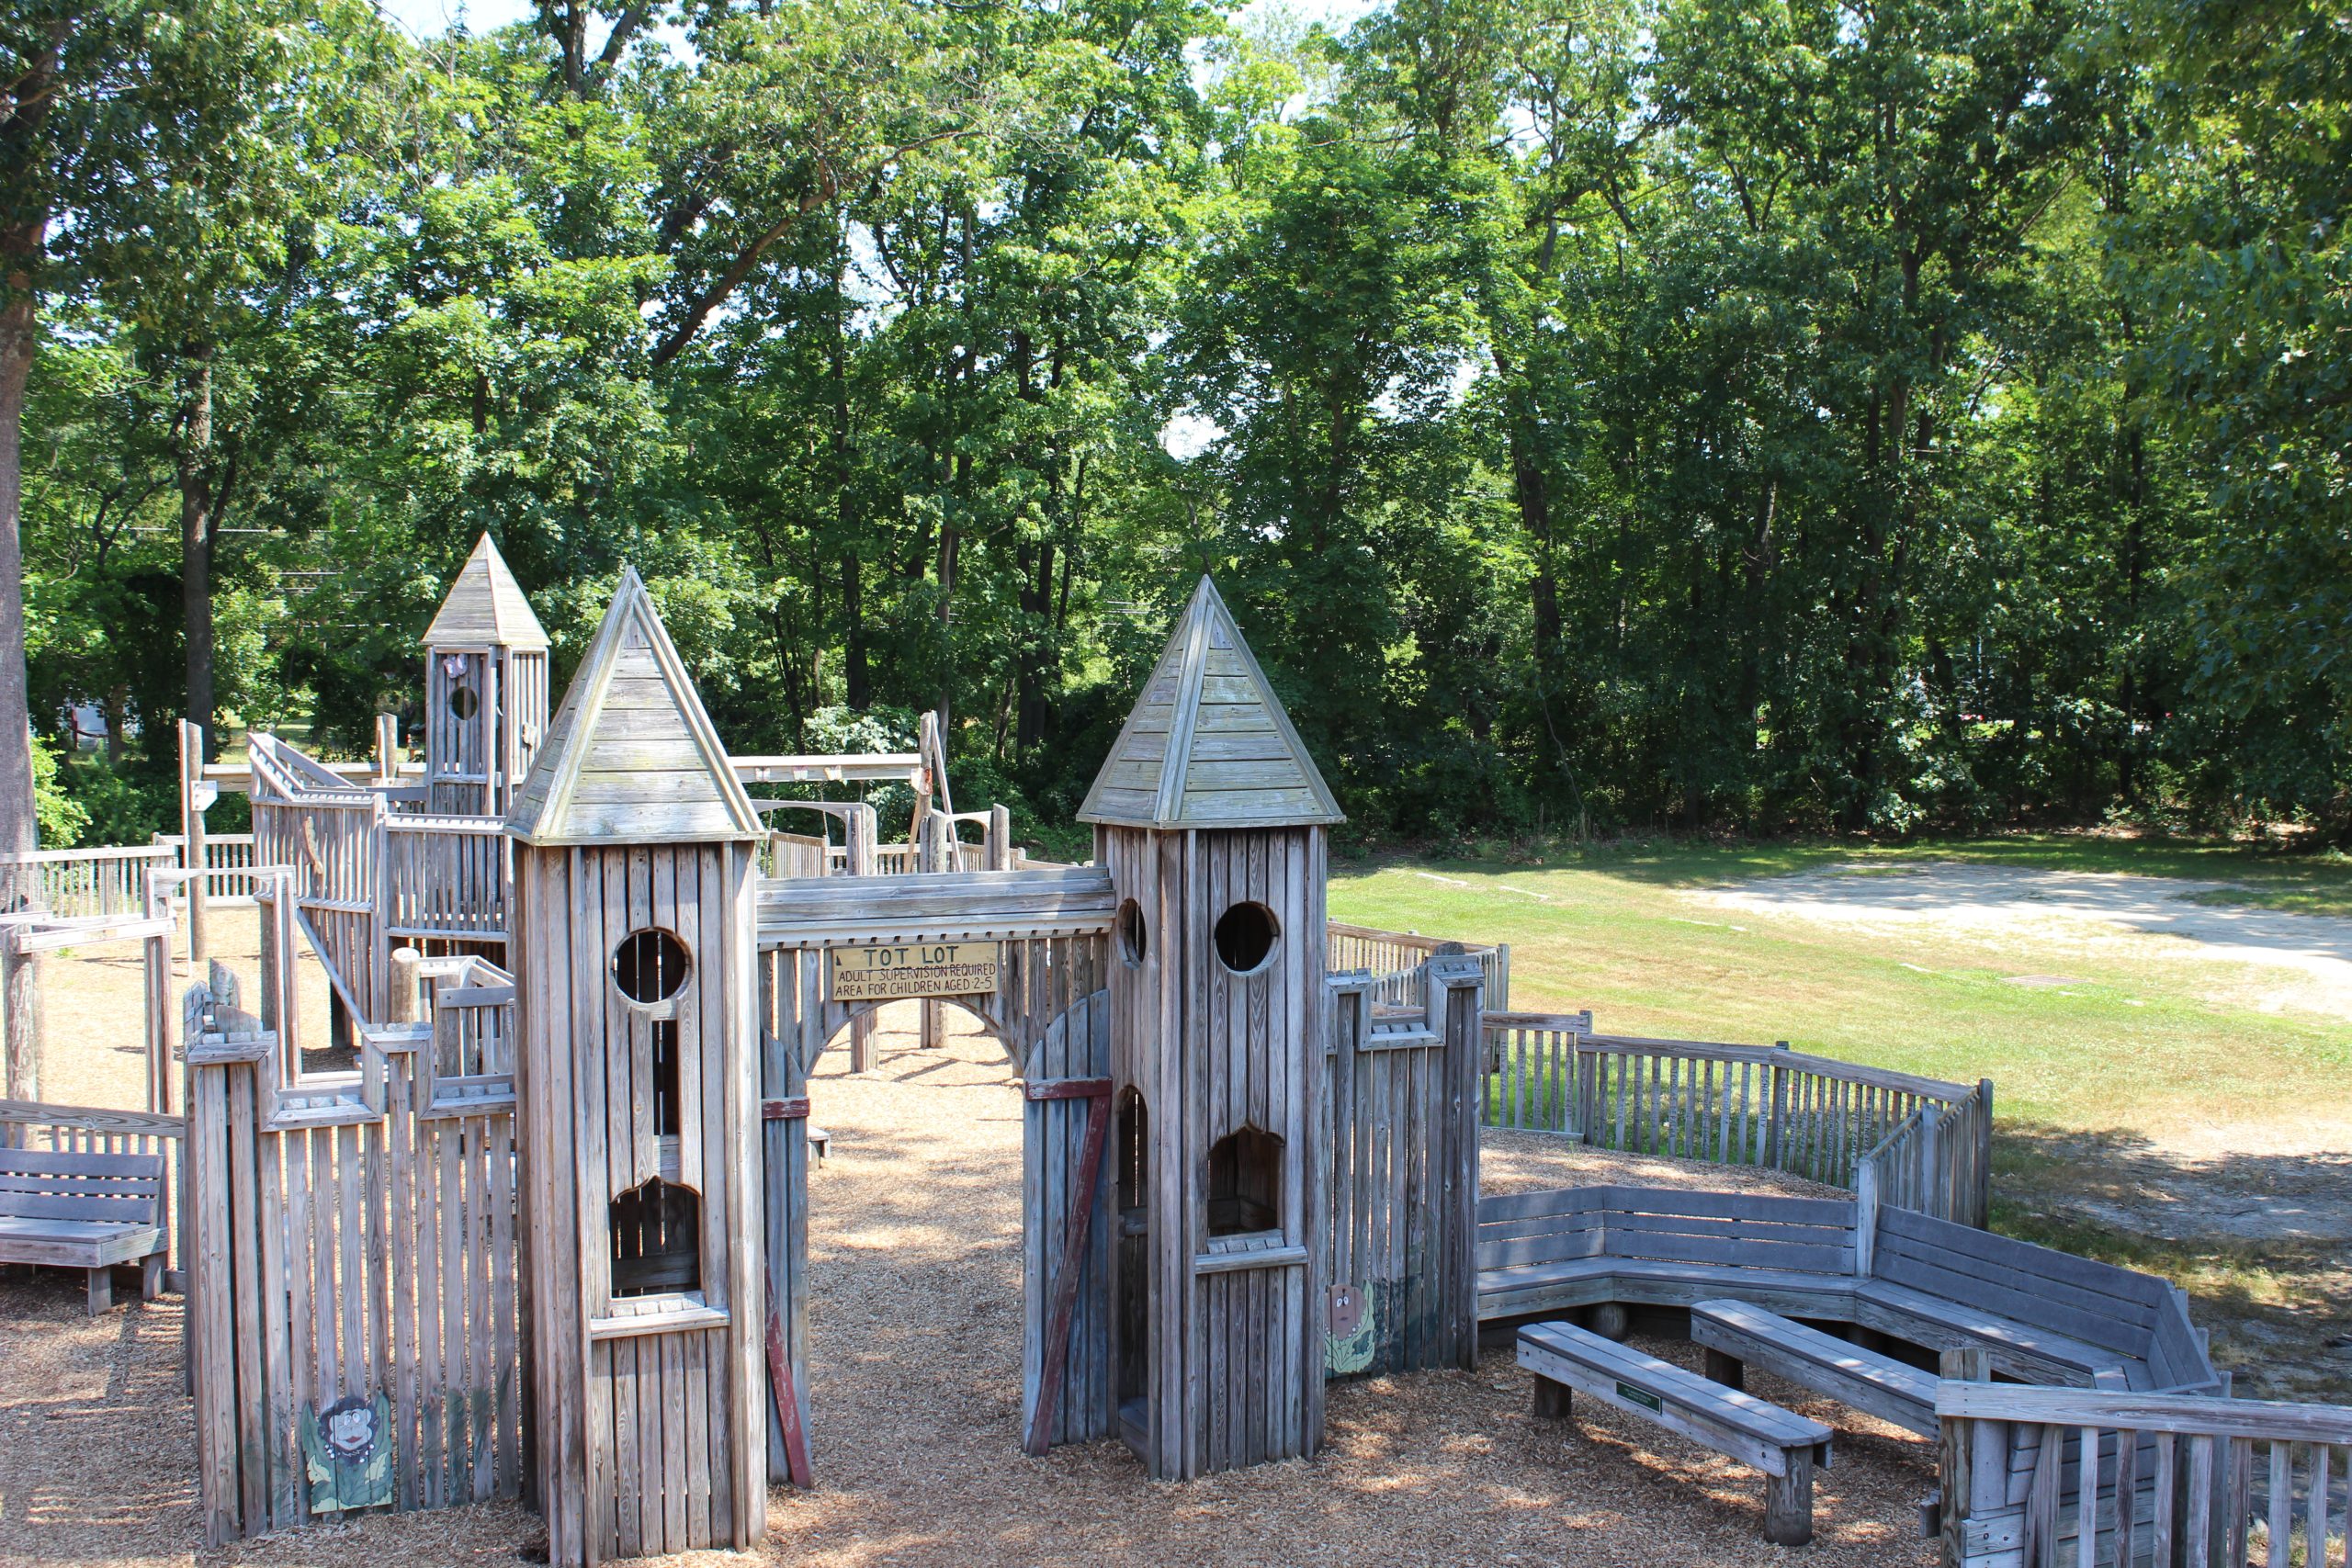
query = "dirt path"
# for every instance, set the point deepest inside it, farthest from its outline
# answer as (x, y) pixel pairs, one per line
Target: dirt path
(916, 1315)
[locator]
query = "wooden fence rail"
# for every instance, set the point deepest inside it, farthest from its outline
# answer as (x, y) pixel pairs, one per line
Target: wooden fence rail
(2173, 1481)
(98, 881)
(229, 865)
(1924, 1142)
(1395, 960)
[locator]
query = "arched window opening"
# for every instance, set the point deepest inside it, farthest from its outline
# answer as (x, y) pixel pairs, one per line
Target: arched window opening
(1135, 941)
(657, 1240)
(1245, 937)
(1245, 1183)
(1134, 1133)
(650, 965)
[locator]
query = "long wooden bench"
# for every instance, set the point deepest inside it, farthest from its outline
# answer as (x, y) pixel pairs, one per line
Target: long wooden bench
(1786, 1447)
(1737, 1335)
(92, 1212)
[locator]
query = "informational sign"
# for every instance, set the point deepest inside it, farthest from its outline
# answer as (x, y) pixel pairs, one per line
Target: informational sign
(926, 969)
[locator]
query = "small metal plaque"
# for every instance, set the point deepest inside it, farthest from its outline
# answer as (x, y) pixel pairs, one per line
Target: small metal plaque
(1347, 1311)
(1640, 1396)
(926, 969)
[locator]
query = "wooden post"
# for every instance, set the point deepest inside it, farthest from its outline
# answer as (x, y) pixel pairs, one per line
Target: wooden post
(192, 836)
(1776, 1109)
(1957, 1436)
(388, 749)
(1982, 1196)
(999, 837)
(1935, 1195)
(1866, 1179)
(20, 1017)
(860, 829)
(935, 851)
(1788, 1502)
(401, 1005)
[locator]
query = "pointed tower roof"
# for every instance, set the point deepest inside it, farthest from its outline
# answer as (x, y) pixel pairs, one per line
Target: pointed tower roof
(631, 757)
(1208, 744)
(485, 607)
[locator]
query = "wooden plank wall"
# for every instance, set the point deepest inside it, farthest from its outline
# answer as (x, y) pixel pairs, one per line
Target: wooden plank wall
(444, 877)
(645, 1458)
(354, 1252)
(1252, 1056)
(1076, 1046)
(459, 753)
(1401, 1116)
(332, 844)
(1395, 960)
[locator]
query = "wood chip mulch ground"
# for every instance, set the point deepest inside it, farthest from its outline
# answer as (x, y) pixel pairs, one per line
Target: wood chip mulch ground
(916, 1381)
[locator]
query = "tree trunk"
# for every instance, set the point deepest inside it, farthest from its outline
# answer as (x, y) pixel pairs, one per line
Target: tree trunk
(195, 535)
(19, 244)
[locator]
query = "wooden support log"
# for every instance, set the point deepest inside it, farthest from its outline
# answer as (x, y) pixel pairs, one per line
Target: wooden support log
(1788, 1502)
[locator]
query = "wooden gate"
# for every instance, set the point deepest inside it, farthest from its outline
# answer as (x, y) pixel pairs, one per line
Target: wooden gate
(1047, 1008)
(1400, 1134)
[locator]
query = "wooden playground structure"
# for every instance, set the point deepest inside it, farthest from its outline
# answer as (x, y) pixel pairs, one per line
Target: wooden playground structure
(531, 1220)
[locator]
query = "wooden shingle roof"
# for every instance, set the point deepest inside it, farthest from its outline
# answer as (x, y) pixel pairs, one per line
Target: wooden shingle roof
(631, 757)
(1208, 744)
(485, 607)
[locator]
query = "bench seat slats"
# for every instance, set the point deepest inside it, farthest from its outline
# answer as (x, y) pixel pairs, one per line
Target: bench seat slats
(76, 1244)
(1863, 1379)
(1749, 1429)
(2020, 1300)
(2021, 1350)
(76, 1162)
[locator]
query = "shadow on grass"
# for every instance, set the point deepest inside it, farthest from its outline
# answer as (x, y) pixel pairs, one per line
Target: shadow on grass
(2261, 1242)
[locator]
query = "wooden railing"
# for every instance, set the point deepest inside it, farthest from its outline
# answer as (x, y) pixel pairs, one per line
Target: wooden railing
(227, 865)
(1395, 959)
(101, 881)
(445, 876)
(1936, 1160)
(1754, 1105)
(2174, 1481)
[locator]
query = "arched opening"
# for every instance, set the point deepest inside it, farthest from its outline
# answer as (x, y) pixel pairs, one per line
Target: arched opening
(1135, 941)
(1246, 934)
(1245, 1183)
(657, 1240)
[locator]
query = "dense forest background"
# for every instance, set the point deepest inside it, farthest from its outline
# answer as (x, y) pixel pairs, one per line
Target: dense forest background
(1745, 415)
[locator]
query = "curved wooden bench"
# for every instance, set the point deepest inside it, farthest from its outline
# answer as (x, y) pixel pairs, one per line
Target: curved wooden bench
(1786, 1447)
(2042, 1315)
(70, 1210)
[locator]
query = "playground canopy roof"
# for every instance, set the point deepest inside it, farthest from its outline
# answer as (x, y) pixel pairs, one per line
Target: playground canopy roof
(1208, 744)
(631, 756)
(485, 607)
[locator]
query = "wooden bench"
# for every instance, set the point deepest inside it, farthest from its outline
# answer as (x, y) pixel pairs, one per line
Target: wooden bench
(1785, 1446)
(69, 1209)
(1737, 1335)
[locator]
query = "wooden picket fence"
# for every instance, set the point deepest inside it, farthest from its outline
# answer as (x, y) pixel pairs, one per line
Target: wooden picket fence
(350, 1236)
(1926, 1144)
(100, 882)
(2172, 1481)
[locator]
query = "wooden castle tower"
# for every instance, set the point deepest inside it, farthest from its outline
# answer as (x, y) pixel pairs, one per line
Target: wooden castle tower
(638, 1110)
(1212, 818)
(485, 690)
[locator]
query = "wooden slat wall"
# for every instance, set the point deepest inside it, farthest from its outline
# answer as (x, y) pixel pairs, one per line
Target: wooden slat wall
(1077, 1044)
(446, 877)
(1400, 1113)
(1395, 958)
(369, 1252)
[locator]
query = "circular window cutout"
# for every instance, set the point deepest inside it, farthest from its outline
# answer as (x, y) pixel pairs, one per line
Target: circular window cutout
(463, 703)
(1134, 941)
(1245, 937)
(650, 965)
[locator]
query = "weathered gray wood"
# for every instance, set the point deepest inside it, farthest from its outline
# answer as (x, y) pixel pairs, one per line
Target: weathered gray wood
(1882, 1386)
(1786, 1447)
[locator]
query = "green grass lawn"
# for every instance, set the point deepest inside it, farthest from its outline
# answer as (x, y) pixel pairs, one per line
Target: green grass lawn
(2127, 1047)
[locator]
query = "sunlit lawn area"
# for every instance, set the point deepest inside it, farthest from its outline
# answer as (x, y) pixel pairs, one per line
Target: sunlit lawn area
(2132, 1043)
